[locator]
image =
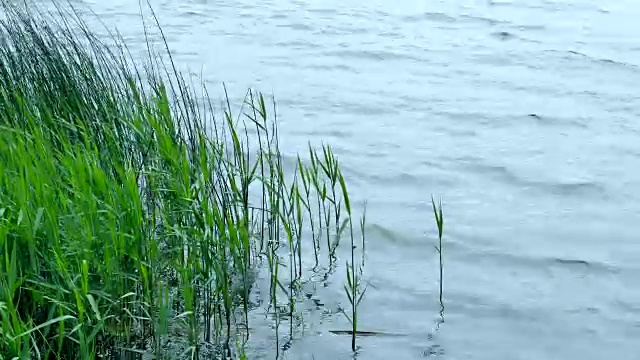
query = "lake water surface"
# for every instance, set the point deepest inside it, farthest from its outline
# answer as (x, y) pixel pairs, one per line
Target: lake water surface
(523, 115)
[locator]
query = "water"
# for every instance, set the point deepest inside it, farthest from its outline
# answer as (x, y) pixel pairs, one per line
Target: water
(523, 115)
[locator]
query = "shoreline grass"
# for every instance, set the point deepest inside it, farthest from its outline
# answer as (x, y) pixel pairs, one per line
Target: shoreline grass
(124, 218)
(133, 219)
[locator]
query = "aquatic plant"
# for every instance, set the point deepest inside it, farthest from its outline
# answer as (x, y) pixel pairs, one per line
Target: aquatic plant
(437, 213)
(134, 215)
(353, 289)
(130, 214)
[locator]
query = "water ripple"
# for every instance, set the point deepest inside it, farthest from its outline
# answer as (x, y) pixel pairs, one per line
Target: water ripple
(604, 60)
(483, 20)
(507, 176)
(430, 16)
(373, 55)
(297, 44)
(297, 26)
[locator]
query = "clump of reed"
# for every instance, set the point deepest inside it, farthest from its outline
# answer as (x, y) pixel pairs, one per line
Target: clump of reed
(133, 219)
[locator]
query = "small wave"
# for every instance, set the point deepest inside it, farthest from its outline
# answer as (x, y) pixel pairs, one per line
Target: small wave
(482, 19)
(391, 35)
(456, 133)
(505, 35)
(298, 44)
(337, 134)
(572, 262)
(603, 60)
(323, 11)
(342, 30)
(384, 232)
(366, 109)
(627, 306)
(512, 120)
(373, 55)
(469, 252)
(243, 6)
(529, 27)
(430, 16)
(332, 67)
(558, 121)
(297, 26)
(189, 12)
(578, 188)
(277, 16)
(500, 3)
(560, 188)
(491, 306)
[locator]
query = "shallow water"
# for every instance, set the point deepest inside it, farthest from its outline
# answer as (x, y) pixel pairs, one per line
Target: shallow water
(522, 115)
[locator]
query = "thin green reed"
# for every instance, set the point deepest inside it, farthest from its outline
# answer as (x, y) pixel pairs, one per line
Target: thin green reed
(353, 288)
(291, 302)
(307, 179)
(258, 115)
(273, 261)
(320, 187)
(329, 165)
(298, 221)
(437, 213)
(363, 221)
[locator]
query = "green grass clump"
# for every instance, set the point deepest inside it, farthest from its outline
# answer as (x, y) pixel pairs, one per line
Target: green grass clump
(133, 220)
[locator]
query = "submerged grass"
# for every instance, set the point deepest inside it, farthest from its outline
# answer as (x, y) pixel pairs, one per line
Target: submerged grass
(133, 220)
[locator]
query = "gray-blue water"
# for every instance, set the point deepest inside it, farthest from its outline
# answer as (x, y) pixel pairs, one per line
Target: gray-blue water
(523, 115)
